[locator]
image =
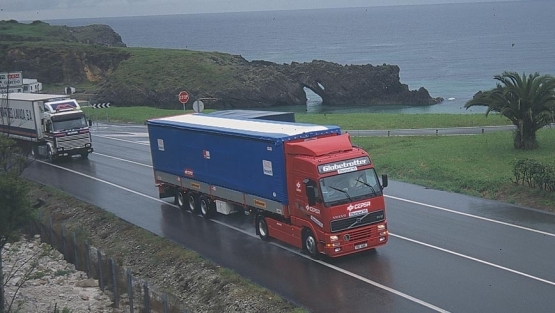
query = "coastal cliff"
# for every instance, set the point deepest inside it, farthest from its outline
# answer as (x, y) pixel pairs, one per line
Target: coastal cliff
(95, 57)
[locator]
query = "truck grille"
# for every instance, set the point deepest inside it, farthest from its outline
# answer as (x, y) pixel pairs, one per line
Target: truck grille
(371, 218)
(74, 141)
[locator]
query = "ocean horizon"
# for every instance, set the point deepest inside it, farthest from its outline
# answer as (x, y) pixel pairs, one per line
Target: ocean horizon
(452, 50)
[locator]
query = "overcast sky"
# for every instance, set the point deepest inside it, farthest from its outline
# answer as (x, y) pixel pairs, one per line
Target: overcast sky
(30, 10)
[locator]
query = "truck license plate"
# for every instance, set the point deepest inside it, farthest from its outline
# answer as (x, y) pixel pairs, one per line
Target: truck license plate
(360, 246)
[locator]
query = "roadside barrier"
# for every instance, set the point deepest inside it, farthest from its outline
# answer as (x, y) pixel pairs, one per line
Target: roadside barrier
(129, 293)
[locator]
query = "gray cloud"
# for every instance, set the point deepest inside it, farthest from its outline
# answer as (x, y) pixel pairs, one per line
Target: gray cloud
(62, 9)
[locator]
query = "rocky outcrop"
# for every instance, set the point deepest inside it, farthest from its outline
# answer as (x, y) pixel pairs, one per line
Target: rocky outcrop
(154, 77)
(265, 84)
(358, 84)
(96, 34)
(62, 64)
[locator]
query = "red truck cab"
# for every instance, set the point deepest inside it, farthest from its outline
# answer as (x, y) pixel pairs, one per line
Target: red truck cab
(336, 203)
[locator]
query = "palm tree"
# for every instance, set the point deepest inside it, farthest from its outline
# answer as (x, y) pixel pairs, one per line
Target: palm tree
(528, 101)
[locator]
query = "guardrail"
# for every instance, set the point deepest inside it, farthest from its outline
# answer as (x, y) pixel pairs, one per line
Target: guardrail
(433, 131)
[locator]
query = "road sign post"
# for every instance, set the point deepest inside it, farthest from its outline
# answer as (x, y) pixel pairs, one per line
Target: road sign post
(104, 105)
(183, 98)
(198, 106)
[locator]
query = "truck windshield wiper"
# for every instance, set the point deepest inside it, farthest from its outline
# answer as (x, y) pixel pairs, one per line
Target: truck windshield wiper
(343, 191)
(365, 183)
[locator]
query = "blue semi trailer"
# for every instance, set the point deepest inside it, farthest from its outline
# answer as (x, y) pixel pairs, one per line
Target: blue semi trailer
(296, 179)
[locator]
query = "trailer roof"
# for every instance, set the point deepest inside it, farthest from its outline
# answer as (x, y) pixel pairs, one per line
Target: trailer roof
(33, 96)
(262, 129)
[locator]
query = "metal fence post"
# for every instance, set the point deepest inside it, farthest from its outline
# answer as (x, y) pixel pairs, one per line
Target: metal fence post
(51, 233)
(64, 247)
(75, 251)
(100, 280)
(115, 283)
(130, 289)
(88, 258)
(147, 297)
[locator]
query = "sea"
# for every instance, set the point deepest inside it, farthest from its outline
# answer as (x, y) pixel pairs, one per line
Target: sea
(452, 50)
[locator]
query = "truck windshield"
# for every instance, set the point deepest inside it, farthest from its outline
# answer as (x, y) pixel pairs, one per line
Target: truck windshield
(70, 123)
(349, 187)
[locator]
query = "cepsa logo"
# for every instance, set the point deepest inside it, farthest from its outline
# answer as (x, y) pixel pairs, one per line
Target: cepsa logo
(359, 206)
(312, 210)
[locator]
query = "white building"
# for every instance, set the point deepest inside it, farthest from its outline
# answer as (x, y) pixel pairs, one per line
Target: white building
(13, 82)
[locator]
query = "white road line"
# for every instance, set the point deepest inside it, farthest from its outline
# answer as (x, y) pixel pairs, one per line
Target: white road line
(339, 269)
(123, 160)
(144, 143)
(103, 181)
(472, 216)
(366, 280)
(475, 259)
(392, 197)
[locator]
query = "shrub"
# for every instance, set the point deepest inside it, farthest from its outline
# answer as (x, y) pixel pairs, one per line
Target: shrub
(534, 174)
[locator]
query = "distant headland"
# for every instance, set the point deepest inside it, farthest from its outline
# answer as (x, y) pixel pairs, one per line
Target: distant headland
(95, 60)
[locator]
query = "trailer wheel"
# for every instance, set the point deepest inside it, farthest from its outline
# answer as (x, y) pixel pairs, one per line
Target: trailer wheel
(262, 228)
(206, 207)
(180, 199)
(193, 202)
(310, 244)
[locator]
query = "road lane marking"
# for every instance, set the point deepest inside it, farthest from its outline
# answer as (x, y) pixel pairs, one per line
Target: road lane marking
(143, 143)
(475, 259)
(413, 202)
(473, 216)
(339, 269)
(103, 181)
(356, 276)
(123, 160)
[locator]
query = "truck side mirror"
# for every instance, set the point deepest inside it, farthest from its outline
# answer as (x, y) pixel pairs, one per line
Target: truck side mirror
(385, 181)
(90, 122)
(310, 191)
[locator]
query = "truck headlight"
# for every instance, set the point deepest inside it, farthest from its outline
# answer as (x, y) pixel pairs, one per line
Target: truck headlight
(334, 238)
(381, 227)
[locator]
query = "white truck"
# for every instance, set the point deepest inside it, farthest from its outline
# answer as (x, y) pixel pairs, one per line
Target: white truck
(46, 125)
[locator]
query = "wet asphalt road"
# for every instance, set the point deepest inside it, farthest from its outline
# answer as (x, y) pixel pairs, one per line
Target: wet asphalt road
(447, 252)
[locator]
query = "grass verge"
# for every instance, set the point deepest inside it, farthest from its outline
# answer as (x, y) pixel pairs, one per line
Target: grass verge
(350, 121)
(480, 165)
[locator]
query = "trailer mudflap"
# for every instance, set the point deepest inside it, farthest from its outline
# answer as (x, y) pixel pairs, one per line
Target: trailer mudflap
(166, 192)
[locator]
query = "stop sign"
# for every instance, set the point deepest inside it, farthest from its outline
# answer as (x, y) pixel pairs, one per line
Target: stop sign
(183, 97)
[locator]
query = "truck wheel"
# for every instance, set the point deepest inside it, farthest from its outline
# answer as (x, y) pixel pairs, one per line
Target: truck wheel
(206, 207)
(262, 228)
(35, 152)
(192, 199)
(50, 155)
(180, 199)
(85, 155)
(310, 244)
